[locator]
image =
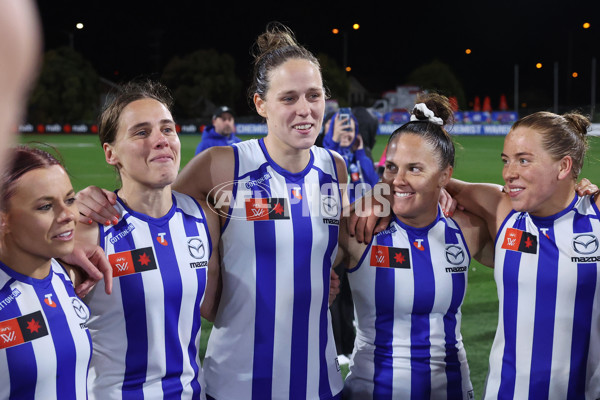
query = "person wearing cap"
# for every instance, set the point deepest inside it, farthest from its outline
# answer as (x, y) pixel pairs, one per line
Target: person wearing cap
(222, 131)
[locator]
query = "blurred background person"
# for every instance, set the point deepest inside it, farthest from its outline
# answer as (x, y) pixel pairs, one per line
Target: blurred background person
(222, 131)
(341, 135)
(20, 59)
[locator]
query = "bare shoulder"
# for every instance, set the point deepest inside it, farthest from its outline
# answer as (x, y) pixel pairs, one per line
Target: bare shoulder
(210, 168)
(340, 165)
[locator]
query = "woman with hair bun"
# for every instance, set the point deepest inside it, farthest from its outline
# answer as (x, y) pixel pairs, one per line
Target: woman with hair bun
(547, 262)
(409, 282)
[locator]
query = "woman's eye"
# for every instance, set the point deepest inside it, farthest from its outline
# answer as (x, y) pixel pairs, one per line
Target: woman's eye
(45, 207)
(70, 200)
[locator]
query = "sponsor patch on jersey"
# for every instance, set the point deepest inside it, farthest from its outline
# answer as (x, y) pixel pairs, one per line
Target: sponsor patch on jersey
(585, 243)
(518, 240)
(455, 254)
(197, 251)
(13, 295)
(48, 300)
(390, 257)
(22, 329)
(418, 243)
(161, 239)
(266, 209)
(122, 234)
(133, 261)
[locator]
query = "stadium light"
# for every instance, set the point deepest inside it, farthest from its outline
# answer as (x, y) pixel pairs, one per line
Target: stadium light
(344, 32)
(586, 25)
(79, 25)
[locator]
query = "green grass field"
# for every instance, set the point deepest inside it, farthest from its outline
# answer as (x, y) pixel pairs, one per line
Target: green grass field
(477, 160)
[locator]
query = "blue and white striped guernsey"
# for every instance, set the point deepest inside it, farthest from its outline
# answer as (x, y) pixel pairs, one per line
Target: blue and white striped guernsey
(45, 346)
(407, 289)
(272, 337)
(547, 272)
(146, 334)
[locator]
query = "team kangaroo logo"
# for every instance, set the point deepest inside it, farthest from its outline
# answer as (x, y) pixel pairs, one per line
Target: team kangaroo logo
(585, 243)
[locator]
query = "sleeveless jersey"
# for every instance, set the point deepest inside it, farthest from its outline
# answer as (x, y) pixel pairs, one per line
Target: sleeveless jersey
(407, 289)
(547, 272)
(45, 345)
(146, 334)
(272, 337)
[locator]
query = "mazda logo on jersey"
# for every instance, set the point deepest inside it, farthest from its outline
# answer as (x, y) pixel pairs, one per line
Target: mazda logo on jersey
(196, 248)
(585, 243)
(455, 255)
(329, 206)
(80, 309)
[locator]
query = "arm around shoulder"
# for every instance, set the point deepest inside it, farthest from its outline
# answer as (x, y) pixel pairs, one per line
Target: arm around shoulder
(480, 240)
(485, 200)
(207, 170)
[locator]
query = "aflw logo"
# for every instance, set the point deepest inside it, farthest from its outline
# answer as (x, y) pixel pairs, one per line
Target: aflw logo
(122, 266)
(8, 337)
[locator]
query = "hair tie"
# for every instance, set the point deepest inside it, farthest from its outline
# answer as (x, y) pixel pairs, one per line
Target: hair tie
(427, 113)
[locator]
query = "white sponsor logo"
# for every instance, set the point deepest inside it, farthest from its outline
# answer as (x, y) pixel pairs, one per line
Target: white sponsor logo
(8, 337)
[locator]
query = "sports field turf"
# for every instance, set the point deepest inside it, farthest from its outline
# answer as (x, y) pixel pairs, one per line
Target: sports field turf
(477, 160)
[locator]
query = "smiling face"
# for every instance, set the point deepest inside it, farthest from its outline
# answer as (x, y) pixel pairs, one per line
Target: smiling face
(146, 149)
(294, 105)
(412, 169)
(531, 174)
(39, 219)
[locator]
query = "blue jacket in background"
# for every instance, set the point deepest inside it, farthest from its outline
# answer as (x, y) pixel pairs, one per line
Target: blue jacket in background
(359, 166)
(211, 138)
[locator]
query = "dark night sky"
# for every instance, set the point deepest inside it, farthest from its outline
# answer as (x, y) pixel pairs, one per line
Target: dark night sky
(136, 38)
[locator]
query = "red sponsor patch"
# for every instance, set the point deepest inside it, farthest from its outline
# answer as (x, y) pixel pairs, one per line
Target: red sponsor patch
(518, 240)
(390, 257)
(22, 329)
(266, 209)
(133, 261)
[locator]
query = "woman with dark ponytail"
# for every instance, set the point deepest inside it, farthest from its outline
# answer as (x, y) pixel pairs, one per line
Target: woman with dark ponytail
(409, 282)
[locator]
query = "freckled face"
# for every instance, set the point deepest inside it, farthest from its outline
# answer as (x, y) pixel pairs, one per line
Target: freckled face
(530, 172)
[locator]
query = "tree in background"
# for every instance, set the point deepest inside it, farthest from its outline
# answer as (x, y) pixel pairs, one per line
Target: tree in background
(437, 76)
(67, 89)
(200, 81)
(335, 78)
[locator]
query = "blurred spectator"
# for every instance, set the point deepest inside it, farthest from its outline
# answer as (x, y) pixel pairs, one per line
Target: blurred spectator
(367, 127)
(222, 131)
